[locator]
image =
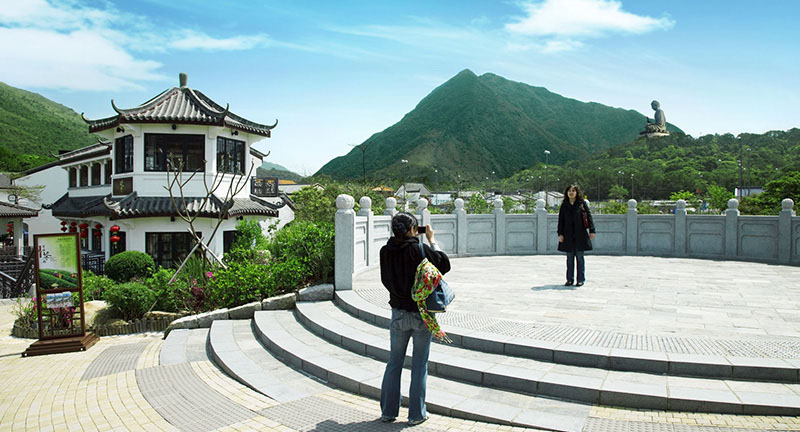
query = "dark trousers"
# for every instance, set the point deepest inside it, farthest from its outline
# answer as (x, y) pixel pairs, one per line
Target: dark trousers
(571, 258)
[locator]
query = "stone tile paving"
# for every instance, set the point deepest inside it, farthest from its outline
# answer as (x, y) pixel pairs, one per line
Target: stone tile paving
(47, 393)
(667, 305)
(116, 359)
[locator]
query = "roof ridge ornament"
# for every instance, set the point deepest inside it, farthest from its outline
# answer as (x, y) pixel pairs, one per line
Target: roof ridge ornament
(183, 78)
(115, 107)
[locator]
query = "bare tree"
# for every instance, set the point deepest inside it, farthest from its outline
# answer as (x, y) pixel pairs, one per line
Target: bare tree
(176, 183)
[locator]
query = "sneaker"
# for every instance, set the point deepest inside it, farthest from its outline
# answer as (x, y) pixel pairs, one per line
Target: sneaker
(385, 419)
(416, 422)
(569, 283)
(579, 284)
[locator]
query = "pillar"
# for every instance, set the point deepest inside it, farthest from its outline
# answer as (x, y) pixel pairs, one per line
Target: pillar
(732, 227)
(499, 227)
(461, 227)
(680, 228)
(785, 231)
(632, 228)
(541, 226)
(344, 249)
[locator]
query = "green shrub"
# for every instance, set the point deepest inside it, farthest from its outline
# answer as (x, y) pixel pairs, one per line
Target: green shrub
(131, 299)
(306, 244)
(127, 265)
(94, 286)
(167, 299)
(240, 283)
(287, 275)
(249, 236)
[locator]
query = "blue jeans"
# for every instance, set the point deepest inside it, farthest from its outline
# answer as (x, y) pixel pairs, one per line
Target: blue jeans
(571, 256)
(406, 325)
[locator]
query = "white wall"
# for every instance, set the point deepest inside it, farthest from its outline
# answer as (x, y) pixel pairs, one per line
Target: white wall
(55, 182)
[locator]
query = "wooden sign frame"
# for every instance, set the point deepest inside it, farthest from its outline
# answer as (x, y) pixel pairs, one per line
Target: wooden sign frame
(58, 329)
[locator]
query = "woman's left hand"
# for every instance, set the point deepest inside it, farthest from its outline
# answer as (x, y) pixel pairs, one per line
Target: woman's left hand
(591, 236)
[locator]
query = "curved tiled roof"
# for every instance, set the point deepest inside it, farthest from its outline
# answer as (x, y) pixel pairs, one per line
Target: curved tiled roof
(16, 211)
(180, 105)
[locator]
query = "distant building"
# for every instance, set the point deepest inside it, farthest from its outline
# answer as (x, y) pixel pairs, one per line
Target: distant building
(748, 191)
(552, 198)
(412, 191)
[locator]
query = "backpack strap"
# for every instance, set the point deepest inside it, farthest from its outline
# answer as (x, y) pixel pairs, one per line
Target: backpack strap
(421, 250)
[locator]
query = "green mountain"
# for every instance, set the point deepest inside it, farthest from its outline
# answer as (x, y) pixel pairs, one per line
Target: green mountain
(33, 129)
(471, 126)
(273, 166)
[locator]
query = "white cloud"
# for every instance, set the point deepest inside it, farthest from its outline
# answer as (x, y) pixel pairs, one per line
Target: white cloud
(582, 18)
(67, 44)
(190, 40)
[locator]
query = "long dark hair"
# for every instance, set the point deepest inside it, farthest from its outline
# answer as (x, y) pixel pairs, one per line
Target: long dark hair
(401, 223)
(578, 194)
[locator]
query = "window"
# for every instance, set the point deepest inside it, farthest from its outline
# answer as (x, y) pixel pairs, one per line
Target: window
(123, 154)
(73, 177)
(108, 173)
(95, 174)
(228, 237)
(84, 177)
(230, 155)
(162, 148)
(168, 249)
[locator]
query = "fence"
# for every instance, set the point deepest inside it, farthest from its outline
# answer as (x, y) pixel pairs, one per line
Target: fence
(136, 326)
(769, 239)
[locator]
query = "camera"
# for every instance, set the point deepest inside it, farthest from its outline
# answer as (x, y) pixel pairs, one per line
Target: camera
(421, 229)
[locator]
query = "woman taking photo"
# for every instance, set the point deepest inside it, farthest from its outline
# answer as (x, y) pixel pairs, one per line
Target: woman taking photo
(574, 218)
(399, 260)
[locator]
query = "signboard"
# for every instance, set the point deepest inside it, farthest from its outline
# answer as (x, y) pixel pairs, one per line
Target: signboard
(264, 187)
(123, 186)
(59, 295)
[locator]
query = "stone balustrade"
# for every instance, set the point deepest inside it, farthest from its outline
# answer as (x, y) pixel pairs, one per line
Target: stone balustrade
(730, 236)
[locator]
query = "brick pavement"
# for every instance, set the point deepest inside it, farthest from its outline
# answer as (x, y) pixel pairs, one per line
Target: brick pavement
(61, 393)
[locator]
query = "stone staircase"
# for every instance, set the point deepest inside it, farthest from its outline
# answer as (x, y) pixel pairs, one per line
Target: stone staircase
(488, 377)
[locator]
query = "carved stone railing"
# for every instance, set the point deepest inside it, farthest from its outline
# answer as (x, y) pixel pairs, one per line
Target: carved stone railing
(769, 239)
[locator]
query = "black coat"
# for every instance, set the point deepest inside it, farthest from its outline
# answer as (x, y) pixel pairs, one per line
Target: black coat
(570, 225)
(399, 261)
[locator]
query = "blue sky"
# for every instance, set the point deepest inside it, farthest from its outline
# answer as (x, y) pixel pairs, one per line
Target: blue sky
(334, 73)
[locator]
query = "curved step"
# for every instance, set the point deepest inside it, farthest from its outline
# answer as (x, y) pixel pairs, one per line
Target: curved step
(236, 350)
(672, 364)
(183, 346)
(581, 384)
(285, 337)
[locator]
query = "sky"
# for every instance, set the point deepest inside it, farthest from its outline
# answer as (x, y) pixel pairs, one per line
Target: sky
(336, 72)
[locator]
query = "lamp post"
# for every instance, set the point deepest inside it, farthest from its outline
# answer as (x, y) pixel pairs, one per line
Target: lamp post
(632, 197)
(749, 171)
(405, 202)
(598, 184)
(546, 153)
(739, 138)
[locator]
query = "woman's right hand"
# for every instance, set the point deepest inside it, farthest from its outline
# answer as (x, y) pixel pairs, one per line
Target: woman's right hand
(429, 233)
(560, 238)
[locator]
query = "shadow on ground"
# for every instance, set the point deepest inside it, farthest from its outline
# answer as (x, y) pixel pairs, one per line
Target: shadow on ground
(554, 287)
(366, 426)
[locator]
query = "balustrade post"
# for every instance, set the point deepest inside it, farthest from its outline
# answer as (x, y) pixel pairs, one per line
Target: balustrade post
(391, 207)
(19, 238)
(680, 228)
(422, 210)
(499, 227)
(461, 227)
(732, 228)
(785, 231)
(365, 209)
(541, 226)
(632, 228)
(345, 229)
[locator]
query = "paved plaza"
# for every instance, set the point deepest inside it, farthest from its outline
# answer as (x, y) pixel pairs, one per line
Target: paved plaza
(659, 305)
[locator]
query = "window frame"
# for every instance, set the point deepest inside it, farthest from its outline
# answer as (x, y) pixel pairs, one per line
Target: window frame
(158, 146)
(227, 150)
(123, 154)
(155, 243)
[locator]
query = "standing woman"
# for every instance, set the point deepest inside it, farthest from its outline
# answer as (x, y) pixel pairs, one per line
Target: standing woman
(572, 236)
(399, 260)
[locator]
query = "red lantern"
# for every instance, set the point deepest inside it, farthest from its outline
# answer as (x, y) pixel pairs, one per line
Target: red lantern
(73, 223)
(72, 229)
(114, 228)
(63, 228)
(84, 234)
(63, 223)
(97, 233)
(83, 226)
(114, 239)
(9, 224)
(98, 226)
(10, 230)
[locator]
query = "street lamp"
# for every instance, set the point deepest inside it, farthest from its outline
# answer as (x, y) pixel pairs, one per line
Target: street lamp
(632, 186)
(598, 184)
(739, 139)
(405, 186)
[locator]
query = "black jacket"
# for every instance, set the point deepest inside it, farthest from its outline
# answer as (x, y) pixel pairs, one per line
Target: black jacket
(570, 225)
(399, 261)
